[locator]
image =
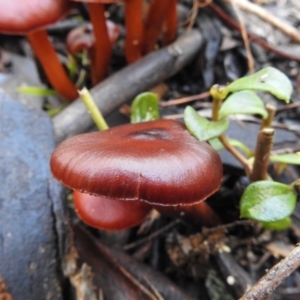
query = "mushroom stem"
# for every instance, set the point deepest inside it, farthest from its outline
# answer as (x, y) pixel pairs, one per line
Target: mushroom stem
(171, 23)
(52, 67)
(134, 30)
(93, 109)
(200, 213)
(101, 51)
(153, 24)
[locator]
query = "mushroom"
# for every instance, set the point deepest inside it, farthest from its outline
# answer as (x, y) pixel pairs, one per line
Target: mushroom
(29, 18)
(82, 37)
(103, 47)
(156, 162)
(117, 214)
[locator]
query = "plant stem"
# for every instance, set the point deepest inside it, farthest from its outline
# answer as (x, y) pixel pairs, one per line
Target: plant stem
(223, 139)
(262, 154)
(271, 113)
(225, 142)
(215, 109)
(93, 109)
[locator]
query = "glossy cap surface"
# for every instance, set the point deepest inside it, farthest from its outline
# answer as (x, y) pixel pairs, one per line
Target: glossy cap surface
(158, 162)
(21, 17)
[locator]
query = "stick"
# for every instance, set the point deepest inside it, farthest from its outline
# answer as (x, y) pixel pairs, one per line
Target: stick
(267, 284)
(127, 83)
(262, 154)
(245, 5)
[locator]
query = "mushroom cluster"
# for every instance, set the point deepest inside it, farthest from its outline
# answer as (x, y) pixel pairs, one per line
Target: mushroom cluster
(31, 18)
(119, 174)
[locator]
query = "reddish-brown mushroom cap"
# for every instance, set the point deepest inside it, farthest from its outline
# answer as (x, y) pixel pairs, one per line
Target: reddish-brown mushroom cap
(108, 214)
(82, 38)
(158, 162)
(20, 17)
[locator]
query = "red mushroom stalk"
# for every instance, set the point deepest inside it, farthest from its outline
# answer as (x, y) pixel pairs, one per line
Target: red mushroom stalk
(134, 30)
(29, 18)
(155, 19)
(102, 48)
(171, 23)
(157, 162)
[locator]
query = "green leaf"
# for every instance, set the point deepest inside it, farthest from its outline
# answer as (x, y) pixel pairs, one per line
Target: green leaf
(144, 108)
(268, 201)
(268, 79)
(36, 91)
(288, 158)
(202, 128)
(278, 225)
(244, 102)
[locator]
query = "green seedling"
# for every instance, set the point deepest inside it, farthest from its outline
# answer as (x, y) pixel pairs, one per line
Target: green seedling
(144, 108)
(266, 201)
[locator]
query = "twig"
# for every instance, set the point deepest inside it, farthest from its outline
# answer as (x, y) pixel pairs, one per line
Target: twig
(185, 99)
(223, 139)
(228, 226)
(288, 106)
(152, 235)
(155, 291)
(244, 36)
(267, 284)
(136, 282)
(292, 32)
(262, 154)
(127, 83)
(173, 117)
(224, 16)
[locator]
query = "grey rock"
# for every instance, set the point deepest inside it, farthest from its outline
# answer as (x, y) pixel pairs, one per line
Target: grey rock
(24, 74)
(31, 213)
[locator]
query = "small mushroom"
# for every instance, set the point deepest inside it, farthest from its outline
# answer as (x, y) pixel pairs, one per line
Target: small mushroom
(108, 214)
(82, 37)
(103, 47)
(156, 162)
(30, 18)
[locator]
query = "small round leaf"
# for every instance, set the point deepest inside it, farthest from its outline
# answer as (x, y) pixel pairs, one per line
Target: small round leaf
(268, 201)
(202, 128)
(144, 108)
(268, 79)
(244, 102)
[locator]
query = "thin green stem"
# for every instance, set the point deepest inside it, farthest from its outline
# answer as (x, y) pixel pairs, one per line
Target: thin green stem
(225, 142)
(95, 113)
